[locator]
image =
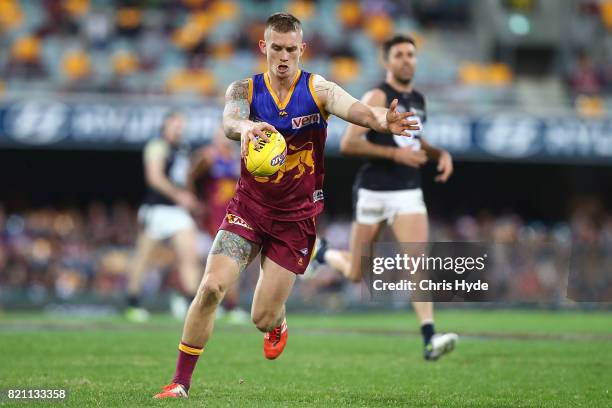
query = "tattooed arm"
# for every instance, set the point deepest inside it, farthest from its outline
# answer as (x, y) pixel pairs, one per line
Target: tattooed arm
(235, 247)
(236, 112)
(340, 103)
(236, 122)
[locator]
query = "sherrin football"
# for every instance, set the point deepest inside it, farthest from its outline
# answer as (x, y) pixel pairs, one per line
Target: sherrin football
(268, 158)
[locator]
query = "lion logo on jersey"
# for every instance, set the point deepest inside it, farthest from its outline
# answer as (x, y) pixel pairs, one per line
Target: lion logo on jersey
(301, 159)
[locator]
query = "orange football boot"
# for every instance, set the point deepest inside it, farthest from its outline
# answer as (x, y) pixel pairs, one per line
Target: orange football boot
(275, 341)
(172, 391)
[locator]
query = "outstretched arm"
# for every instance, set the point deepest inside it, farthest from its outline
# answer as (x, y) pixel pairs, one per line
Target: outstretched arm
(236, 123)
(354, 143)
(340, 103)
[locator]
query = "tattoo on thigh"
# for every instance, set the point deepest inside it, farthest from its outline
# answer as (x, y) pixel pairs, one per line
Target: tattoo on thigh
(234, 246)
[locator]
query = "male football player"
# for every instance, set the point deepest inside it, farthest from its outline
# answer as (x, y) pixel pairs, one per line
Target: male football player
(274, 216)
(388, 186)
(165, 213)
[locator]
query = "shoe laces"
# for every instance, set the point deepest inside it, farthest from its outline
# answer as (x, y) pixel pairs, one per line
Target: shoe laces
(275, 335)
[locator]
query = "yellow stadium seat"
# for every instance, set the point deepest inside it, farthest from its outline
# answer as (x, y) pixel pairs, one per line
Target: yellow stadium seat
(606, 13)
(379, 27)
(344, 69)
(76, 8)
(26, 49)
(198, 25)
(204, 20)
(475, 74)
(187, 36)
(471, 73)
(124, 63)
(302, 9)
(11, 15)
(349, 13)
(499, 74)
(590, 107)
(129, 17)
(200, 81)
(76, 64)
(225, 10)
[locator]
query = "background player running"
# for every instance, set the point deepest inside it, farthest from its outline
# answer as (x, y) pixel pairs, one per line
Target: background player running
(165, 213)
(273, 216)
(213, 176)
(388, 187)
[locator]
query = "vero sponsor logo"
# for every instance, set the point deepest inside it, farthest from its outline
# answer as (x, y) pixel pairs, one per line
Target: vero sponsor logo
(300, 122)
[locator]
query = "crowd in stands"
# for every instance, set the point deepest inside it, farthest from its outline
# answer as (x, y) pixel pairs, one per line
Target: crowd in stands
(49, 254)
(196, 47)
(188, 46)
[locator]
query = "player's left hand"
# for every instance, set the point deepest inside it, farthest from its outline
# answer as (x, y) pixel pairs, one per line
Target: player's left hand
(398, 122)
(445, 167)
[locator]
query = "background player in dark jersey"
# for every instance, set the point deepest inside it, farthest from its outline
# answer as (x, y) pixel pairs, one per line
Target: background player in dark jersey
(388, 187)
(215, 170)
(165, 213)
(274, 215)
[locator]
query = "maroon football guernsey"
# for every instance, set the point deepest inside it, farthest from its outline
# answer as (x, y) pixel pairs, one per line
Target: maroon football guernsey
(295, 192)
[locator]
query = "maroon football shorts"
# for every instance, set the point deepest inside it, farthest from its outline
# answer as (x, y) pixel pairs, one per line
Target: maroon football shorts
(288, 243)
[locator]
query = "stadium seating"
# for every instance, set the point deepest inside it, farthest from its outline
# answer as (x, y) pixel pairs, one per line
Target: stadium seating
(151, 50)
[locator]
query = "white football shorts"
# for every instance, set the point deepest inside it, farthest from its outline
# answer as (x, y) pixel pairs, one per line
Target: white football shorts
(373, 207)
(163, 221)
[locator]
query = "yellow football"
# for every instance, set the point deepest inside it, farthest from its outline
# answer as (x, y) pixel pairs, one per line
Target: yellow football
(268, 158)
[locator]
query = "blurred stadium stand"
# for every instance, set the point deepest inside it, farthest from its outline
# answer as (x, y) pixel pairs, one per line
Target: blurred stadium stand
(482, 53)
(512, 86)
(49, 255)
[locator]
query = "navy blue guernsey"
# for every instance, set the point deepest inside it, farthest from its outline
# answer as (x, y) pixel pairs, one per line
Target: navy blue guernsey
(384, 174)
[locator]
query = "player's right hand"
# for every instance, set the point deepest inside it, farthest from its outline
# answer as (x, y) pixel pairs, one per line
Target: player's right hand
(252, 134)
(399, 123)
(188, 201)
(409, 157)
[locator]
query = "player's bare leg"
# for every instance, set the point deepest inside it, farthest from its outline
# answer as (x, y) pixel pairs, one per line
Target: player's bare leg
(221, 273)
(268, 310)
(415, 228)
(229, 256)
(185, 245)
(144, 249)
(349, 262)
(339, 260)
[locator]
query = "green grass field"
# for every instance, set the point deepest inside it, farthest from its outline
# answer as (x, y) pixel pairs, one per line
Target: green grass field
(504, 358)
